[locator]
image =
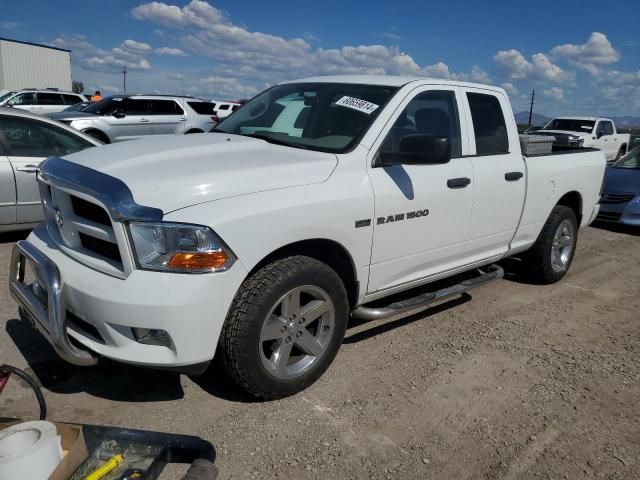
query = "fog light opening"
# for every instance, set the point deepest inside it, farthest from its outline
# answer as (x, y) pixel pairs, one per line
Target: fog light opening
(150, 336)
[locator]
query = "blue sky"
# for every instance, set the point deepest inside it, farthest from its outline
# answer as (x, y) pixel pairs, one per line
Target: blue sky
(582, 57)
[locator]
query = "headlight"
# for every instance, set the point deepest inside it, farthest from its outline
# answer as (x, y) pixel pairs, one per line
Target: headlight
(179, 247)
(577, 142)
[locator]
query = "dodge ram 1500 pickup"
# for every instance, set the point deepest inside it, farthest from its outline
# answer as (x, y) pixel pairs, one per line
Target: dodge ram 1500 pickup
(318, 200)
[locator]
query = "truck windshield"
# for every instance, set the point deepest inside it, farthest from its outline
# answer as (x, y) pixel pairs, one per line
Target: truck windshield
(571, 125)
(631, 160)
(326, 117)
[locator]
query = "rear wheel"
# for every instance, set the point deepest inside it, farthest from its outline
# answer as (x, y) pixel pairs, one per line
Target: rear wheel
(551, 255)
(621, 152)
(284, 327)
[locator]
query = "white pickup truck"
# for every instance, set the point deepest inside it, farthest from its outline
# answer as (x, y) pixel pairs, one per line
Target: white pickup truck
(318, 200)
(600, 133)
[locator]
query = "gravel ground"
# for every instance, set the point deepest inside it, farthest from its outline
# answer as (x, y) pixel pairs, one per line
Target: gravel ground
(514, 381)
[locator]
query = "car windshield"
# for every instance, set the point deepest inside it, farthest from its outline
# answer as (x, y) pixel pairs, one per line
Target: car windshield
(6, 95)
(630, 160)
(326, 117)
(106, 106)
(571, 125)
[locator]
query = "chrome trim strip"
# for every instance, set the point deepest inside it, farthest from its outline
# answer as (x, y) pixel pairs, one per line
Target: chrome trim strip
(50, 319)
(110, 191)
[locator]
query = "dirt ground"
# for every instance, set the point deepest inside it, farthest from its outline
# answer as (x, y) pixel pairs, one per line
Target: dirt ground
(514, 381)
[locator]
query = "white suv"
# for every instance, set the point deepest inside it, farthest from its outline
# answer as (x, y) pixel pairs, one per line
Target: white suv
(127, 117)
(41, 101)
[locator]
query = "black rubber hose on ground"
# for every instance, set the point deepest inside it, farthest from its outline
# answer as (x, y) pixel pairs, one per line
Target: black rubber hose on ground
(32, 383)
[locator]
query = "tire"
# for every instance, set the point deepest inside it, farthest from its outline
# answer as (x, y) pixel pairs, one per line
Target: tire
(193, 130)
(620, 153)
(256, 337)
(551, 255)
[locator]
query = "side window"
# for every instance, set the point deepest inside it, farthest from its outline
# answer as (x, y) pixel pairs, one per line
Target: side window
(165, 107)
(26, 137)
(429, 114)
(71, 99)
(488, 124)
(224, 107)
(24, 99)
(235, 107)
(607, 127)
(49, 99)
(132, 106)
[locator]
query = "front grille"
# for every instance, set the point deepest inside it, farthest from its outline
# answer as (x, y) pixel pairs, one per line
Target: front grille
(90, 211)
(101, 247)
(608, 216)
(610, 198)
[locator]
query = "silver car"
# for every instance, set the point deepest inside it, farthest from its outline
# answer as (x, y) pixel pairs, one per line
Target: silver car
(26, 139)
(40, 101)
(127, 117)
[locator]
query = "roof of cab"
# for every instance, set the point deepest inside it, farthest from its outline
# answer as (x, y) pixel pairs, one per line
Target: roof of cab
(389, 80)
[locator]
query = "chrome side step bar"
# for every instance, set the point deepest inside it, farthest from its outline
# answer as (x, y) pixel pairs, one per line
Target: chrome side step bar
(493, 272)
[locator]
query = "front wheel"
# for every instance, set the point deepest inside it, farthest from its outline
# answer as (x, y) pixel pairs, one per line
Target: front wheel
(551, 255)
(284, 327)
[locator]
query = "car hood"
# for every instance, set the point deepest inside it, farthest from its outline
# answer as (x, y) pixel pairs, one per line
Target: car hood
(71, 115)
(622, 180)
(176, 171)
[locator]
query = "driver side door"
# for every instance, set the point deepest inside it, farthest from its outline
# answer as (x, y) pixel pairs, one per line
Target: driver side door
(422, 211)
(130, 120)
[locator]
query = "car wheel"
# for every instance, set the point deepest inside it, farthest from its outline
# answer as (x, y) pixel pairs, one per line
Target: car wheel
(551, 255)
(620, 153)
(284, 327)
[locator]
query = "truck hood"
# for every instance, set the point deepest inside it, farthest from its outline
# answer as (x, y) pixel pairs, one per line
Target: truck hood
(177, 171)
(562, 133)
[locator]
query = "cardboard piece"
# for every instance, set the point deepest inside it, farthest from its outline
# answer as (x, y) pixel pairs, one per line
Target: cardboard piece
(73, 445)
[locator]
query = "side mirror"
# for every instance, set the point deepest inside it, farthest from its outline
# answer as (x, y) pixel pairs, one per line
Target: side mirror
(599, 133)
(11, 103)
(418, 149)
(118, 114)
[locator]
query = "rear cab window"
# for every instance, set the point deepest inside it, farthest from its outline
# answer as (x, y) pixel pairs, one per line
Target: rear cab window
(489, 126)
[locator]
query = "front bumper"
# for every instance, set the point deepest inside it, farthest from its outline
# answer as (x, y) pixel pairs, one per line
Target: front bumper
(85, 313)
(625, 213)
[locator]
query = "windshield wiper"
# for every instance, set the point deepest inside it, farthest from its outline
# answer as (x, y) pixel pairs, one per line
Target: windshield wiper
(275, 141)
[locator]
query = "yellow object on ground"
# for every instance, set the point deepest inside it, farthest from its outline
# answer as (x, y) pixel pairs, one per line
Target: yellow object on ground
(111, 464)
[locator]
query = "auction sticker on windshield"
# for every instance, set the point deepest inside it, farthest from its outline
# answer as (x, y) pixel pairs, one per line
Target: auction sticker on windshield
(357, 104)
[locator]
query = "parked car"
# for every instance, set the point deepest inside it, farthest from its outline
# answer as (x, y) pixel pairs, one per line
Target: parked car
(262, 239)
(620, 201)
(127, 117)
(26, 140)
(41, 101)
(592, 132)
(224, 109)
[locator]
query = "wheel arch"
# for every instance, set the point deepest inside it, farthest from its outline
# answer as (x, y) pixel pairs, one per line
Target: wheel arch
(573, 200)
(329, 252)
(194, 130)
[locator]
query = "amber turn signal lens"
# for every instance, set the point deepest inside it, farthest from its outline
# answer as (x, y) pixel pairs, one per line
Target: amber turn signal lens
(198, 260)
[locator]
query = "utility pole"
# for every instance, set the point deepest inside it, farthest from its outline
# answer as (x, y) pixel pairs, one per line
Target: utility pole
(532, 95)
(124, 79)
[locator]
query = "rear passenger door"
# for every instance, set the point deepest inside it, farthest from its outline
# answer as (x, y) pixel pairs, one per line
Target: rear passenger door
(422, 212)
(498, 173)
(167, 117)
(49, 103)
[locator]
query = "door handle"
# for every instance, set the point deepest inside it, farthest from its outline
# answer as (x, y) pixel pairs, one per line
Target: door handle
(144, 120)
(513, 176)
(28, 169)
(182, 119)
(458, 182)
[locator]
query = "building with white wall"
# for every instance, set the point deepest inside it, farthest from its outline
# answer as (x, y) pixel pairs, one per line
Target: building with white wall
(30, 65)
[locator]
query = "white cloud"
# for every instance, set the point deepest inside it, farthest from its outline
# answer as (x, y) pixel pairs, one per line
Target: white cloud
(135, 47)
(539, 68)
(554, 93)
(10, 25)
(510, 88)
(90, 57)
(597, 51)
(392, 36)
(170, 52)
